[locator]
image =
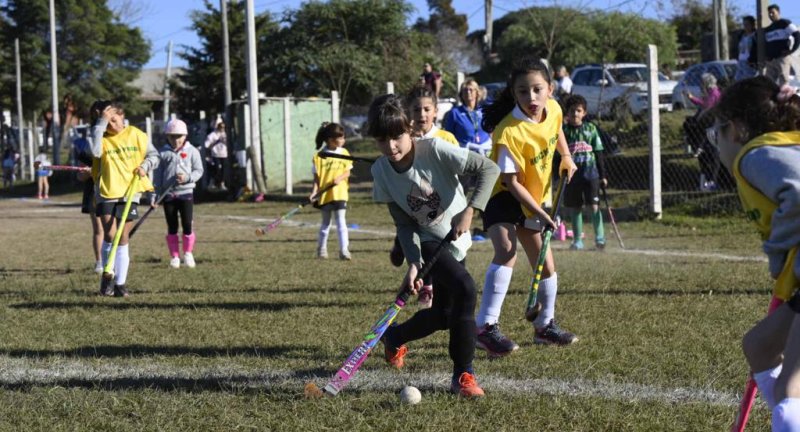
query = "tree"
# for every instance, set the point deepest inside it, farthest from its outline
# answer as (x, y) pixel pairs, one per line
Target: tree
(692, 19)
(202, 84)
(443, 16)
(98, 57)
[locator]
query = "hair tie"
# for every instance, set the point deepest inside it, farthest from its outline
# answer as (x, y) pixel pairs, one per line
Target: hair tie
(786, 92)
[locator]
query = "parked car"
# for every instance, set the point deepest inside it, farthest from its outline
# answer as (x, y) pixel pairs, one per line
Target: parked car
(622, 86)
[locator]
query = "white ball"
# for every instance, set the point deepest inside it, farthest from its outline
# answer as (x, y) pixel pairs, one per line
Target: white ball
(410, 395)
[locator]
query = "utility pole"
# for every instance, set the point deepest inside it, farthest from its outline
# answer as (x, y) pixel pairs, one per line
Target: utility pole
(166, 82)
(762, 21)
(54, 86)
(252, 90)
(715, 19)
(20, 122)
(723, 28)
(226, 55)
(487, 37)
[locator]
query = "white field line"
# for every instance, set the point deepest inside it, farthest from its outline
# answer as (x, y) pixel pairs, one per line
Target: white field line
(649, 252)
(21, 372)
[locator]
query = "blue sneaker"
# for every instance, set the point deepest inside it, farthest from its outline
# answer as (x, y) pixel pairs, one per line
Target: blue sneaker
(576, 245)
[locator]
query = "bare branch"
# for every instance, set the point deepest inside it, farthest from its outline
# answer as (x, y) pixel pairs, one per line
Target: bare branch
(130, 11)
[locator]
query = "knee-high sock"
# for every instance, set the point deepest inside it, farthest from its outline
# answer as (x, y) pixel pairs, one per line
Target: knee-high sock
(121, 263)
(766, 384)
(174, 245)
(786, 416)
(188, 242)
(577, 224)
(547, 297)
(341, 228)
(495, 287)
(105, 251)
(599, 231)
(324, 229)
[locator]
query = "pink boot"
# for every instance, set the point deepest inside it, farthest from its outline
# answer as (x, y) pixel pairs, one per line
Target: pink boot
(561, 232)
(173, 243)
(188, 245)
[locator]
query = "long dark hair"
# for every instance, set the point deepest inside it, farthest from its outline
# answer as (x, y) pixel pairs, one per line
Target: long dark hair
(387, 117)
(418, 92)
(328, 131)
(755, 104)
(504, 104)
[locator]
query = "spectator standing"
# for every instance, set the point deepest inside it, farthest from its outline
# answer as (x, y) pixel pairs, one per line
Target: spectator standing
(217, 146)
(747, 50)
(464, 121)
(782, 40)
(10, 158)
(431, 79)
(564, 83)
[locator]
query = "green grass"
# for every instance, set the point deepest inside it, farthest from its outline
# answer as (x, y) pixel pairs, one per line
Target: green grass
(258, 305)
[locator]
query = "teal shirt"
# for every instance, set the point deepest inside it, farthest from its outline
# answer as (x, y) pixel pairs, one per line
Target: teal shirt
(584, 141)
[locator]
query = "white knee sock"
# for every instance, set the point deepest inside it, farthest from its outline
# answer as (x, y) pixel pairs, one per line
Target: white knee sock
(786, 416)
(547, 297)
(341, 227)
(766, 384)
(121, 265)
(324, 229)
(105, 250)
(495, 287)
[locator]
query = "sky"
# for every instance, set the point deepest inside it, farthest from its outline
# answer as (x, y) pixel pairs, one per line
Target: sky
(169, 20)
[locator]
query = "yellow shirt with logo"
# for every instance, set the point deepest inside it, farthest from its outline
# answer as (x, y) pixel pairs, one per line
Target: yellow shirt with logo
(327, 169)
(760, 209)
(122, 153)
(444, 135)
(532, 146)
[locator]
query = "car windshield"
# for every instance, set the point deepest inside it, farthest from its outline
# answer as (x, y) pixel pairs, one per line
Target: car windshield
(629, 74)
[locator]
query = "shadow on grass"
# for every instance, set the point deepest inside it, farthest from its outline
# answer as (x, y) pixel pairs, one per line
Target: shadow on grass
(35, 272)
(238, 306)
(146, 351)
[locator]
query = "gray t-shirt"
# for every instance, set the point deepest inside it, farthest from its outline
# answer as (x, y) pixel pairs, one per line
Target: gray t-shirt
(775, 172)
(429, 191)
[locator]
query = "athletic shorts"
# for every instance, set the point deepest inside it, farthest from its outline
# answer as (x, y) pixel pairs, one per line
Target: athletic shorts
(580, 192)
(116, 208)
(332, 205)
(87, 202)
(504, 208)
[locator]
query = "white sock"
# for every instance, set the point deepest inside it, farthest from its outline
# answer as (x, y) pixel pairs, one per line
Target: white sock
(324, 229)
(105, 250)
(121, 265)
(786, 416)
(341, 227)
(495, 287)
(766, 384)
(547, 297)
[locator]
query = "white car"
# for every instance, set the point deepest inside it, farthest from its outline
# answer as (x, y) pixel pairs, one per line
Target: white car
(621, 86)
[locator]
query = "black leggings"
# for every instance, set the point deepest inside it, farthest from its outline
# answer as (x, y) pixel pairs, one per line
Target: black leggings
(454, 298)
(171, 210)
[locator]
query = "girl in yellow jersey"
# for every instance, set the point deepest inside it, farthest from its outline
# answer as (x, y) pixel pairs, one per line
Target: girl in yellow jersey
(756, 131)
(120, 152)
(334, 200)
(526, 132)
(423, 110)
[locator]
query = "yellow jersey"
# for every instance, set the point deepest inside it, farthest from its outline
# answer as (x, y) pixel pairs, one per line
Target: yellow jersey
(327, 169)
(759, 208)
(532, 146)
(122, 153)
(442, 134)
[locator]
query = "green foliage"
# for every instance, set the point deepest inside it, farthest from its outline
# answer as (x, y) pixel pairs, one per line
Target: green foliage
(695, 20)
(443, 15)
(98, 55)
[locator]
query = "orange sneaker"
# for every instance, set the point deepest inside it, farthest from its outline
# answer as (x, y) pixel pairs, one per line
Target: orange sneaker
(394, 356)
(466, 386)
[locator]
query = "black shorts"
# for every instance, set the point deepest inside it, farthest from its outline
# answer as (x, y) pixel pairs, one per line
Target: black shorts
(87, 203)
(331, 205)
(580, 192)
(502, 208)
(116, 208)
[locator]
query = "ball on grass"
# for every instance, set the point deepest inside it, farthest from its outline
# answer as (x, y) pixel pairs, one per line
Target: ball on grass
(410, 395)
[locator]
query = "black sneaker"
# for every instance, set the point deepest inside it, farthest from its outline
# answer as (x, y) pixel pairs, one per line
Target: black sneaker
(396, 255)
(491, 340)
(106, 287)
(120, 291)
(552, 334)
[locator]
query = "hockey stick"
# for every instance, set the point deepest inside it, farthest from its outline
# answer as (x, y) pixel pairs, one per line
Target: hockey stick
(751, 389)
(326, 155)
(533, 307)
(274, 224)
(611, 216)
(362, 351)
(63, 168)
(108, 271)
(150, 210)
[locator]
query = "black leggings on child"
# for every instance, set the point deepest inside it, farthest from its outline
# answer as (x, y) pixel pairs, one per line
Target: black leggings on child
(171, 210)
(454, 299)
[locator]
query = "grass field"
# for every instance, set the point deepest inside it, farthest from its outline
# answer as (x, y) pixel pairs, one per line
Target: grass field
(229, 345)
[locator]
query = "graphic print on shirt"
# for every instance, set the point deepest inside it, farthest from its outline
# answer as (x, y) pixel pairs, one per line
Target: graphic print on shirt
(425, 204)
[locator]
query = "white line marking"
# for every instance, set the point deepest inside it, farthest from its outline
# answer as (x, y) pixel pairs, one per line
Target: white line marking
(20, 371)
